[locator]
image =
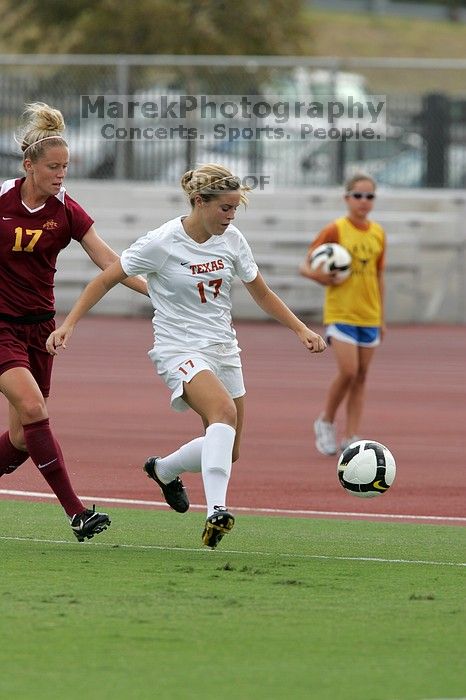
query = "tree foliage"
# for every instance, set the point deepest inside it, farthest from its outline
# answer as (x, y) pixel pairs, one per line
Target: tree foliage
(260, 27)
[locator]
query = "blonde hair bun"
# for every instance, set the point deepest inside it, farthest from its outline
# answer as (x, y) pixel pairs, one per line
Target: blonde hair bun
(40, 123)
(211, 180)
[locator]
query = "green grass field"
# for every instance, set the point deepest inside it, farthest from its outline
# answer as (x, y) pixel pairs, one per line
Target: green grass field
(284, 608)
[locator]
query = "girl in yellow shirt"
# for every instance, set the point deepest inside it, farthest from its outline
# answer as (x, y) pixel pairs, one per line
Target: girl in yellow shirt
(353, 309)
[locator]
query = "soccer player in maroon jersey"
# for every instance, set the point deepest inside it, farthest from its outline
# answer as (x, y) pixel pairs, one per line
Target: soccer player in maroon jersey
(37, 220)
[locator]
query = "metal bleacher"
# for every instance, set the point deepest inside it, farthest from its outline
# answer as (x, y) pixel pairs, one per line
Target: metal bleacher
(426, 233)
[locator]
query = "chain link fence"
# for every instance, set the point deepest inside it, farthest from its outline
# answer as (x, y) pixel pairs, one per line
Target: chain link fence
(420, 142)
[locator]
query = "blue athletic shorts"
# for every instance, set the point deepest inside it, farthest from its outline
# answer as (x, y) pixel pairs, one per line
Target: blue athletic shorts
(364, 336)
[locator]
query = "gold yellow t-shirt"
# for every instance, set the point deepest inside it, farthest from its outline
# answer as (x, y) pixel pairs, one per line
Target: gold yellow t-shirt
(357, 300)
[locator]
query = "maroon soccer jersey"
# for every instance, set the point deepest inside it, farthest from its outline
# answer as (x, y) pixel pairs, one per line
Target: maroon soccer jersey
(29, 244)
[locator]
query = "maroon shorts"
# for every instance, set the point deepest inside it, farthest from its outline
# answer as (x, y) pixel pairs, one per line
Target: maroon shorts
(23, 345)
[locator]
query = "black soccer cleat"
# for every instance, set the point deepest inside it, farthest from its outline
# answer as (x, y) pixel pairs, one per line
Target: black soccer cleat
(174, 492)
(89, 523)
(218, 524)
(11, 469)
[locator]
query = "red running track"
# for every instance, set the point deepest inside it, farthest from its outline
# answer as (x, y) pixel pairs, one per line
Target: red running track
(110, 411)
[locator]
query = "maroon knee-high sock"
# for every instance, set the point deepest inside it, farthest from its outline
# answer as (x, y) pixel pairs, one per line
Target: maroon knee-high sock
(10, 457)
(46, 454)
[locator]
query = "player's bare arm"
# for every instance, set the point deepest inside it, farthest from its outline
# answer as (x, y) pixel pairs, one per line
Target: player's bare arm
(93, 293)
(381, 281)
(103, 256)
(269, 302)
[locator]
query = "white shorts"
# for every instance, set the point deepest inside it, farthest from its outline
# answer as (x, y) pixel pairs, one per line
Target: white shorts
(177, 367)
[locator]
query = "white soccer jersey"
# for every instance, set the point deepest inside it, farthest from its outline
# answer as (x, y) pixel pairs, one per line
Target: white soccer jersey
(190, 283)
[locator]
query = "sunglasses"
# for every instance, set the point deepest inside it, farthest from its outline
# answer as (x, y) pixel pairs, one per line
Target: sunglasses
(361, 195)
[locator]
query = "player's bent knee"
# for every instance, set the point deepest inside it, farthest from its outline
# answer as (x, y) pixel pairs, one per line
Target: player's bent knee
(226, 413)
(32, 411)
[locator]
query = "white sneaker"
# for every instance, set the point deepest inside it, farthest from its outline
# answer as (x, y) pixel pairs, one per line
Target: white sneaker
(347, 442)
(326, 441)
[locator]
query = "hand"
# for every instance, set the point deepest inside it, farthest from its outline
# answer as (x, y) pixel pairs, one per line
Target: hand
(327, 279)
(58, 339)
(312, 341)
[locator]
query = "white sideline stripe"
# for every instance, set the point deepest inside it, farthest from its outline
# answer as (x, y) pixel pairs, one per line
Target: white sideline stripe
(243, 509)
(203, 552)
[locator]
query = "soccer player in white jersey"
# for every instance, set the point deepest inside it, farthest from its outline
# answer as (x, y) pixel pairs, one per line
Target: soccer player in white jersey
(190, 263)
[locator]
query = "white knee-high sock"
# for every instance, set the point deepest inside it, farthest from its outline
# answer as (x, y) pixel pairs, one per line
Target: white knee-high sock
(186, 459)
(217, 449)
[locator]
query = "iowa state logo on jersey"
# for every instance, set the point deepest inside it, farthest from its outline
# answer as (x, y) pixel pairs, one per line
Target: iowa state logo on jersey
(211, 266)
(50, 225)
